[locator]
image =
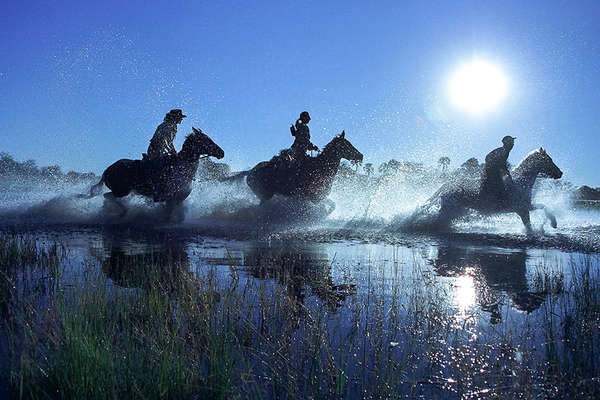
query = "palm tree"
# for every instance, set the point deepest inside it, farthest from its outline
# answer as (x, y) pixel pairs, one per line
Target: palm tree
(369, 169)
(444, 162)
(390, 167)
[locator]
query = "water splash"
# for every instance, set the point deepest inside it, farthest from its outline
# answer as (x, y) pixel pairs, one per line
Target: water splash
(358, 205)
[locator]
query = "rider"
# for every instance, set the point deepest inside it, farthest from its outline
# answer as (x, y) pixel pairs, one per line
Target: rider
(496, 176)
(161, 143)
(302, 134)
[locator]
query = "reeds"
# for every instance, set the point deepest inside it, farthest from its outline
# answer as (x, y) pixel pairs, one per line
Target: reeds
(174, 331)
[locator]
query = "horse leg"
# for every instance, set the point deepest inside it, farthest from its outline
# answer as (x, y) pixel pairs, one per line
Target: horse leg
(548, 214)
(110, 196)
(526, 220)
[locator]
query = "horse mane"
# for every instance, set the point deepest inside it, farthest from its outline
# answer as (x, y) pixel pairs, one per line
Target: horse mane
(532, 153)
(330, 144)
(187, 142)
(279, 155)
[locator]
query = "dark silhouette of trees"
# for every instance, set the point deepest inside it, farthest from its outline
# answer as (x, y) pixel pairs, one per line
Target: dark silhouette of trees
(390, 168)
(9, 167)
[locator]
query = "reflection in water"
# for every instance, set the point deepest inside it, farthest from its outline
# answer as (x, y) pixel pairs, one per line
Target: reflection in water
(142, 262)
(164, 259)
(298, 269)
(483, 277)
(464, 294)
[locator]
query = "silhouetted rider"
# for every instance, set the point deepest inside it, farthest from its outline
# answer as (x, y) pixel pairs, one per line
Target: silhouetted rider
(302, 134)
(496, 176)
(161, 143)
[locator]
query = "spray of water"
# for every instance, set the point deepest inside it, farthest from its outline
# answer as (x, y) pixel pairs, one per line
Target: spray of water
(356, 202)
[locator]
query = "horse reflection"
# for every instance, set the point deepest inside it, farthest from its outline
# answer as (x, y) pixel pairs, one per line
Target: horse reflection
(160, 263)
(298, 270)
(493, 274)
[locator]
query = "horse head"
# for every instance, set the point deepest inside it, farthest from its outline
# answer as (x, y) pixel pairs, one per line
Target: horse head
(544, 165)
(342, 148)
(198, 144)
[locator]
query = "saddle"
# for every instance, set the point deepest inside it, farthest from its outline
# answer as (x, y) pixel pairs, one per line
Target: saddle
(496, 188)
(156, 170)
(287, 159)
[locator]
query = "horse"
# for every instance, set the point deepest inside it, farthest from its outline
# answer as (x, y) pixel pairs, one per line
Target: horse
(455, 198)
(309, 178)
(168, 179)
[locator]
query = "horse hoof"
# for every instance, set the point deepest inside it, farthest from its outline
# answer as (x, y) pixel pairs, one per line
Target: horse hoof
(553, 224)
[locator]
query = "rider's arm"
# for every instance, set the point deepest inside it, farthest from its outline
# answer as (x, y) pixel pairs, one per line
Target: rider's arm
(169, 138)
(505, 174)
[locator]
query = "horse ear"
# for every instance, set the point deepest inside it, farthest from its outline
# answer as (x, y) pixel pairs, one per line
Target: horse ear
(343, 134)
(196, 130)
(542, 150)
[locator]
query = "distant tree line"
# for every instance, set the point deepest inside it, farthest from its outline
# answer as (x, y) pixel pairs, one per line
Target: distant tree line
(412, 169)
(417, 173)
(9, 167)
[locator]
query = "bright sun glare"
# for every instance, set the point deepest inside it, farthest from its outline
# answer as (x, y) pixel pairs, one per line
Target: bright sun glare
(477, 87)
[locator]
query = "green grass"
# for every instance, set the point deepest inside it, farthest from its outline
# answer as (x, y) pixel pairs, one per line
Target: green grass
(181, 333)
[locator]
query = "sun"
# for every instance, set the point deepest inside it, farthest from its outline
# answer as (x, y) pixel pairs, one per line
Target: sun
(477, 87)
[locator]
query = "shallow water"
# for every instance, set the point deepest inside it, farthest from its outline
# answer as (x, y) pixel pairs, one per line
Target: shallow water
(224, 225)
(482, 277)
(475, 289)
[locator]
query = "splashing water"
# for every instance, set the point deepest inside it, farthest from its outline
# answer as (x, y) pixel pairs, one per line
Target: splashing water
(356, 202)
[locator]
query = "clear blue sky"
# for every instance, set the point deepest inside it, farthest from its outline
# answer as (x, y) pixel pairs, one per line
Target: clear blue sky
(83, 84)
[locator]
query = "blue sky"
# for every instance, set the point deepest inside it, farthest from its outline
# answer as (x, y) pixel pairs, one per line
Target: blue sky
(83, 84)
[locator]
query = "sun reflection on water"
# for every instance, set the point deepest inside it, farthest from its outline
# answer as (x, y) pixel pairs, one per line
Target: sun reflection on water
(464, 294)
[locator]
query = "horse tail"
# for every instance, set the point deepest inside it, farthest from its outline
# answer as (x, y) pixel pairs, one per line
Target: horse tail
(236, 177)
(96, 189)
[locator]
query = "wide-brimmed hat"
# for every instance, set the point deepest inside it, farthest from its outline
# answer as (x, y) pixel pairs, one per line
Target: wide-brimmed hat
(175, 113)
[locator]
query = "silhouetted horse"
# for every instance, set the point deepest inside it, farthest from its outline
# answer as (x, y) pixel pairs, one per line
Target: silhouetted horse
(308, 178)
(168, 179)
(454, 198)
